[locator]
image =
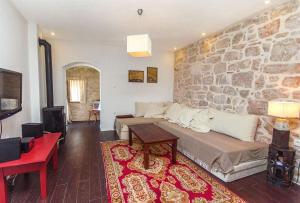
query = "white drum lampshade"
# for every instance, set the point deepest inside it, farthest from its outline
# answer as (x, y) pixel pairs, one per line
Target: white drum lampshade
(139, 45)
(283, 110)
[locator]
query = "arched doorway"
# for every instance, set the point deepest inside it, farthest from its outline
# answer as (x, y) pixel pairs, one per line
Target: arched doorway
(82, 91)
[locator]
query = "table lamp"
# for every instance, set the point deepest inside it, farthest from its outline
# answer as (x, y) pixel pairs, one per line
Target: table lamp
(282, 110)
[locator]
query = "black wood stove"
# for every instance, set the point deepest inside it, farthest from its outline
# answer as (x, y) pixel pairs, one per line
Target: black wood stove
(54, 119)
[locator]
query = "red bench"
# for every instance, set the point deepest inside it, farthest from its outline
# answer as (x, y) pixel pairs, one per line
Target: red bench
(37, 159)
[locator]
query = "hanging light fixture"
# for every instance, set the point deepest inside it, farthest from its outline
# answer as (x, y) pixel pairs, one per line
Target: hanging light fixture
(139, 45)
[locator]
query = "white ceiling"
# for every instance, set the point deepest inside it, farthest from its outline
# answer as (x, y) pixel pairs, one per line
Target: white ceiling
(170, 23)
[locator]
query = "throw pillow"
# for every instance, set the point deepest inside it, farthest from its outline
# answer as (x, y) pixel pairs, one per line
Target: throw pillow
(173, 112)
(186, 116)
(242, 127)
(200, 121)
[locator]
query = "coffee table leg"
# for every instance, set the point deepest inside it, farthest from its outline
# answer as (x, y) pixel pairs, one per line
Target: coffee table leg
(146, 156)
(130, 137)
(174, 151)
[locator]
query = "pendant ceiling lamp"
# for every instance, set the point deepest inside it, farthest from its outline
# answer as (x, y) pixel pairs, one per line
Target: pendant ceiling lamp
(139, 45)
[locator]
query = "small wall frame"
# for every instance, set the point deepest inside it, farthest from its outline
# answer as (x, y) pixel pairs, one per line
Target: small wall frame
(135, 76)
(152, 74)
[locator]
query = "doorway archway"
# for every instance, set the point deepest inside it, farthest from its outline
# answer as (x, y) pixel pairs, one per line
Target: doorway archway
(85, 72)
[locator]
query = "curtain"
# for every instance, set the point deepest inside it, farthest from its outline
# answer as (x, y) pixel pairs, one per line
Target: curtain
(82, 91)
(77, 91)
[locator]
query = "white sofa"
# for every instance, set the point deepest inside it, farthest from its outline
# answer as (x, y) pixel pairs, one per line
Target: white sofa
(234, 159)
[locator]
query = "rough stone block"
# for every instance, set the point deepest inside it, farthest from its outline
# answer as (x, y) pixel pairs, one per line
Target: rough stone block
(229, 90)
(293, 22)
(243, 79)
(252, 51)
(257, 107)
(270, 94)
(232, 56)
(223, 43)
(244, 93)
(284, 50)
(269, 29)
(220, 68)
(238, 38)
(291, 82)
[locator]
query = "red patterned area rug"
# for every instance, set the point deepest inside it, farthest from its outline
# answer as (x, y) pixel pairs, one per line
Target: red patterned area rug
(185, 181)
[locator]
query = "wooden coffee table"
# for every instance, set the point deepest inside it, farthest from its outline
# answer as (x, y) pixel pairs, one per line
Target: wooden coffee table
(150, 134)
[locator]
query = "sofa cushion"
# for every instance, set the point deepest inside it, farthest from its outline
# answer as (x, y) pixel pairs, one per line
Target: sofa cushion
(155, 110)
(142, 107)
(242, 127)
(186, 116)
(173, 112)
(200, 121)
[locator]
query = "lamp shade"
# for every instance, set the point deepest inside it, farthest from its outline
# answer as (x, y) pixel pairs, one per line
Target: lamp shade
(139, 45)
(283, 109)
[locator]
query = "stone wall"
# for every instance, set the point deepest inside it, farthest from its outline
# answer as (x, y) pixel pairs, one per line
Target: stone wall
(80, 111)
(244, 66)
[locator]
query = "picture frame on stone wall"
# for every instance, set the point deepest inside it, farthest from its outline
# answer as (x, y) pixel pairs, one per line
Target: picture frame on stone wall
(135, 76)
(152, 74)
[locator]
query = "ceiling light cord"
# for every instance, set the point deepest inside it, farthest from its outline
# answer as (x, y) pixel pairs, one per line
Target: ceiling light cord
(141, 26)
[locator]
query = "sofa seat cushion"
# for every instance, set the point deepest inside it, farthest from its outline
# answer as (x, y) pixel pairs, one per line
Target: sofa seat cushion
(122, 124)
(215, 149)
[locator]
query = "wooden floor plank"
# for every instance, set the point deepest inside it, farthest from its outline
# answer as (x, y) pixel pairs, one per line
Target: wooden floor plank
(83, 192)
(59, 194)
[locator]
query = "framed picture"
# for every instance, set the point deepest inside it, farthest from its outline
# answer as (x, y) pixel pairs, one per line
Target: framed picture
(152, 74)
(135, 76)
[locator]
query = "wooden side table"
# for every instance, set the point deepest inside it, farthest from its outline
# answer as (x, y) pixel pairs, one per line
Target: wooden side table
(125, 116)
(281, 164)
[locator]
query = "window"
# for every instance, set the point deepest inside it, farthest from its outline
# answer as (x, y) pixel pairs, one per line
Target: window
(76, 91)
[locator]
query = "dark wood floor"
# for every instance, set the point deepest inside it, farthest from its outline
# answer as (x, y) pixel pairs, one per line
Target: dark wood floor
(81, 178)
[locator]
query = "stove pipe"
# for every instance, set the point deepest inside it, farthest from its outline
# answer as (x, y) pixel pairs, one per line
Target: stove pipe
(48, 64)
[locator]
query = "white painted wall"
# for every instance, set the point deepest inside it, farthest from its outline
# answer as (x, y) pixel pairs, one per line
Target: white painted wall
(118, 95)
(33, 67)
(14, 56)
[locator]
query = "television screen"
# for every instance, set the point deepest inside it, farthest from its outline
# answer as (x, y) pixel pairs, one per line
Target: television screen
(10, 93)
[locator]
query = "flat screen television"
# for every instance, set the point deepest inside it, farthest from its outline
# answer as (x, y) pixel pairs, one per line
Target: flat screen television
(10, 93)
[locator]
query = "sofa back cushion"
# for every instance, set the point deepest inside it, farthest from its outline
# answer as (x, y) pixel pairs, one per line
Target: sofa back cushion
(155, 110)
(242, 127)
(173, 112)
(141, 108)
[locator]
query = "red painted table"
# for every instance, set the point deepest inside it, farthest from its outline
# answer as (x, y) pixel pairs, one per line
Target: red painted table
(36, 160)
